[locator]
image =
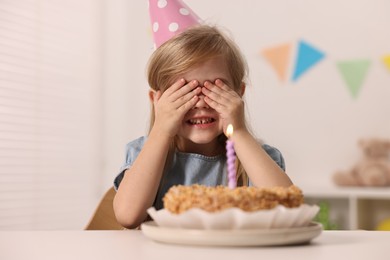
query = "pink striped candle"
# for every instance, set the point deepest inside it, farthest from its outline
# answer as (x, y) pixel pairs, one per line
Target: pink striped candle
(231, 159)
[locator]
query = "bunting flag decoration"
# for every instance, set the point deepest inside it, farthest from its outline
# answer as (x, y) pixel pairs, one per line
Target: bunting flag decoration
(278, 57)
(353, 73)
(307, 57)
(386, 61)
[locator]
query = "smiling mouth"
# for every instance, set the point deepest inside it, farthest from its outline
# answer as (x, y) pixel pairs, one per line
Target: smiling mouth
(201, 121)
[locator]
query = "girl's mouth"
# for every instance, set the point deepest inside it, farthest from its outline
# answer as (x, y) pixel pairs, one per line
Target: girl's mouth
(201, 121)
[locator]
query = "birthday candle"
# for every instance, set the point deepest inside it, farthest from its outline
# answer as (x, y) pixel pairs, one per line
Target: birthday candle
(231, 159)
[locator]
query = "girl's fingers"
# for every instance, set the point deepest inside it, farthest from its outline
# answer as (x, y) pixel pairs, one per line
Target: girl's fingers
(221, 84)
(179, 93)
(176, 86)
(223, 99)
(183, 90)
(215, 93)
(185, 107)
(187, 97)
(220, 88)
(213, 104)
(219, 92)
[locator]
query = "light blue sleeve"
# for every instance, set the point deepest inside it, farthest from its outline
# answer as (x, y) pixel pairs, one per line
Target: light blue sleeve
(132, 151)
(276, 155)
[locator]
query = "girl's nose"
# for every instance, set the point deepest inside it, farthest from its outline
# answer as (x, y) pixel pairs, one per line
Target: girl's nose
(201, 103)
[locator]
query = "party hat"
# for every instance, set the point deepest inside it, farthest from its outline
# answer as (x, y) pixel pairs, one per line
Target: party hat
(169, 18)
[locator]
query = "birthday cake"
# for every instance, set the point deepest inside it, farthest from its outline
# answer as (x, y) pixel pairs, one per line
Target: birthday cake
(181, 198)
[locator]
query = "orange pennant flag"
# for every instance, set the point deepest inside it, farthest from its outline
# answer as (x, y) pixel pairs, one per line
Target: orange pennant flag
(278, 58)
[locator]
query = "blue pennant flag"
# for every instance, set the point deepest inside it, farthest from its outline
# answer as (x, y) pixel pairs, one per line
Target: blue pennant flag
(307, 57)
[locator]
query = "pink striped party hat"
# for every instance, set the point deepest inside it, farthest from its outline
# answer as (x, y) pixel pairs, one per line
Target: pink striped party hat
(169, 18)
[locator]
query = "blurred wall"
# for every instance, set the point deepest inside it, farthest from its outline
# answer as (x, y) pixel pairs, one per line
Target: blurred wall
(50, 113)
(315, 120)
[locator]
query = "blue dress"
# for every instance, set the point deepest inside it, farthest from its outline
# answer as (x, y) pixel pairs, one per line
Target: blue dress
(188, 168)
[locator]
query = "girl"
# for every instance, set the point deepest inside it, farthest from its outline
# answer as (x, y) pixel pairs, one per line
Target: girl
(197, 84)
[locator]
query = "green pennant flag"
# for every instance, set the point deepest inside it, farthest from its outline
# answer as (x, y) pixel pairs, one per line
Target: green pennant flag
(353, 73)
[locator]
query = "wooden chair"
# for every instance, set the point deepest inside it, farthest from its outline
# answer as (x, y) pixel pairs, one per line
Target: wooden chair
(104, 217)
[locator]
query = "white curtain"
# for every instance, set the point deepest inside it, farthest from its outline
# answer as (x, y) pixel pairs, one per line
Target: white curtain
(50, 112)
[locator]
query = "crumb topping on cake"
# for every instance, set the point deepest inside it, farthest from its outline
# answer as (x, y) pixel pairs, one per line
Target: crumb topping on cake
(182, 198)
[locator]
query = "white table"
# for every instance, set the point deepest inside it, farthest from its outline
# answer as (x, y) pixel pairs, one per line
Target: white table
(132, 244)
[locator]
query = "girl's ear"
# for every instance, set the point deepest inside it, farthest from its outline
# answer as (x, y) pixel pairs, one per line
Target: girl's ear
(152, 94)
(242, 90)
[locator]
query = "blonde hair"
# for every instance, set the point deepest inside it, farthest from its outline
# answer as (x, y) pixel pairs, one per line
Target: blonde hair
(190, 48)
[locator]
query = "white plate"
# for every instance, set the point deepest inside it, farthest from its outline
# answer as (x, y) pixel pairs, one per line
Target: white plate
(237, 219)
(253, 237)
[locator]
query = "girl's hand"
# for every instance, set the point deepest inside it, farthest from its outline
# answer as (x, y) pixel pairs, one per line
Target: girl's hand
(171, 106)
(226, 102)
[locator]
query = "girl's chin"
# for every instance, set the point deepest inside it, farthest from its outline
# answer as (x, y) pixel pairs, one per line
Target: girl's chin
(202, 133)
(202, 138)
